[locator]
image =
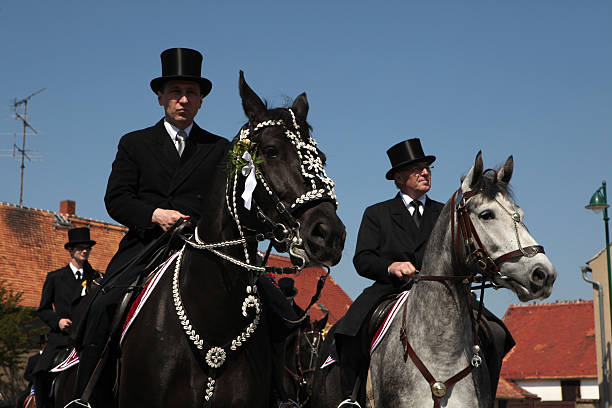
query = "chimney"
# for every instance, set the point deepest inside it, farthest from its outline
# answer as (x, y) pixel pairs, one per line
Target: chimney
(67, 207)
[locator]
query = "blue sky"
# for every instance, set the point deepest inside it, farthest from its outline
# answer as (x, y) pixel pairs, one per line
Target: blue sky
(527, 78)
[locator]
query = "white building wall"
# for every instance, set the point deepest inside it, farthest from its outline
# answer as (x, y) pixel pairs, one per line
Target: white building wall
(550, 390)
(589, 389)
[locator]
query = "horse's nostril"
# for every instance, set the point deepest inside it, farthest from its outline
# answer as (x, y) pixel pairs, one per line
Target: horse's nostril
(538, 276)
(321, 230)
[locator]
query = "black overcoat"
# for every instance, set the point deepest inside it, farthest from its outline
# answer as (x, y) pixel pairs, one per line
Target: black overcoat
(148, 173)
(387, 234)
(61, 292)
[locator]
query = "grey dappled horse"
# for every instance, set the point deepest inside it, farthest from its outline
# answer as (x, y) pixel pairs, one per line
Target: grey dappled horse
(437, 322)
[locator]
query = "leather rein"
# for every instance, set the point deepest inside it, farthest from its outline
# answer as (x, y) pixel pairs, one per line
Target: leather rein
(299, 375)
(467, 246)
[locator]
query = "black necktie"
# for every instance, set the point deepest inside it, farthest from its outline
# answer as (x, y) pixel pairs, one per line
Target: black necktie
(78, 275)
(416, 214)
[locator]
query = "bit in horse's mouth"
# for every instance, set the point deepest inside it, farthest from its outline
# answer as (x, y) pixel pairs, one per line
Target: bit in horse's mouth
(521, 290)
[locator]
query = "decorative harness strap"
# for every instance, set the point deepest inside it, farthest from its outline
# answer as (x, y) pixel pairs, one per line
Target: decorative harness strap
(464, 236)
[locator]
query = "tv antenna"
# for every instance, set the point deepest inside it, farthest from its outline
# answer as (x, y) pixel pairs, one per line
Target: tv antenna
(24, 118)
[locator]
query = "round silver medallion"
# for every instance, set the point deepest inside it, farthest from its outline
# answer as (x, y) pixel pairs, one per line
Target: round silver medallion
(215, 357)
(438, 389)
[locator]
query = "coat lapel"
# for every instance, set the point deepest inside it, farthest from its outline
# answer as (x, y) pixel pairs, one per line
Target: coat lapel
(198, 146)
(402, 219)
(430, 215)
(163, 149)
(71, 284)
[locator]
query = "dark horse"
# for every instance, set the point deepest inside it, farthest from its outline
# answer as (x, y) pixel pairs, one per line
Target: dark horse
(202, 339)
(301, 356)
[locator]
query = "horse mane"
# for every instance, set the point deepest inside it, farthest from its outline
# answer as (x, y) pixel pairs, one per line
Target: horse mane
(489, 186)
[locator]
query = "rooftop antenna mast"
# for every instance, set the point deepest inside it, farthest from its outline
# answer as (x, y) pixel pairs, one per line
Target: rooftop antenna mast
(22, 150)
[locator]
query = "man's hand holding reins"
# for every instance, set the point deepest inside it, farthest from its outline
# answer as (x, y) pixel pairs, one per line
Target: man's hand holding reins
(166, 218)
(403, 270)
(64, 324)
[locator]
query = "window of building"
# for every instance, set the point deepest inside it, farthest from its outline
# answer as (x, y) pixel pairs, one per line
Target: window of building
(570, 390)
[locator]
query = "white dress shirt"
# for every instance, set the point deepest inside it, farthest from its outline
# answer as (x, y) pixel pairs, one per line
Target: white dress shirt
(407, 200)
(75, 270)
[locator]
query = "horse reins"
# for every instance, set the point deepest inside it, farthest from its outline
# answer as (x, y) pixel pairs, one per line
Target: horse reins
(299, 376)
(464, 236)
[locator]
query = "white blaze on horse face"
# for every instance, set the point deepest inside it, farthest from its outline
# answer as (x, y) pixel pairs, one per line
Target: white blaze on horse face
(530, 277)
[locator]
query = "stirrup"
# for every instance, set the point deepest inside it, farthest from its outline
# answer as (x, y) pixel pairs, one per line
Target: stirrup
(347, 403)
(77, 403)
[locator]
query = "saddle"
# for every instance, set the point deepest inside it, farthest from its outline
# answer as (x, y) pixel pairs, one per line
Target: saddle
(380, 313)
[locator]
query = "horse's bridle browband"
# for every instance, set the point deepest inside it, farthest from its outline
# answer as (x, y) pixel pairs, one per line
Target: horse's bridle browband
(464, 236)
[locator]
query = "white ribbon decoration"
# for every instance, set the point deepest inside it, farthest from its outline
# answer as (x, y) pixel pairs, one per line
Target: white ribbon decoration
(248, 171)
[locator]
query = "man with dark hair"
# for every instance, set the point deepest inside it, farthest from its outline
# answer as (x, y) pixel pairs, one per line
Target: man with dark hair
(61, 290)
(160, 174)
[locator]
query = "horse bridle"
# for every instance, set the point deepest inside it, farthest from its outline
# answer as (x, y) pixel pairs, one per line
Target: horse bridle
(465, 240)
(314, 339)
(285, 232)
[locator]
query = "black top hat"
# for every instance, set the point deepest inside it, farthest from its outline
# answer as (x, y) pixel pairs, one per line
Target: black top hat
(78, 236)
(405, 153)
(287, 286)
(183, 64)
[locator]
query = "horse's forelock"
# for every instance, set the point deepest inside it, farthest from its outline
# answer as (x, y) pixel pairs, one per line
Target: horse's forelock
(490, 187)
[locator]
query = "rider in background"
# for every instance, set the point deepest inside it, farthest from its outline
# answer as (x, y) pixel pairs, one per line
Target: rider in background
(61, 291)
(160, 174)
(27, 374)
(390, 246)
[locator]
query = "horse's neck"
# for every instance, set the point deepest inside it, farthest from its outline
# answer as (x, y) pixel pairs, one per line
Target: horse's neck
(440, 309)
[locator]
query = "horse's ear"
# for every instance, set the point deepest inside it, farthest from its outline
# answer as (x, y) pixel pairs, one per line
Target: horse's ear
(300, 106)
(505, 173)
(253, 106)
(474, 175)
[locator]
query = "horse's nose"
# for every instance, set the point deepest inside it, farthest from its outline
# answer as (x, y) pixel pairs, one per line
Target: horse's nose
(541, 280)
(326, 241)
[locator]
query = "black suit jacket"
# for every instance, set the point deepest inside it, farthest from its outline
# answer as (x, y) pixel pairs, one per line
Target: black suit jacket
(60, 293)
(387, 234)
(148, 173)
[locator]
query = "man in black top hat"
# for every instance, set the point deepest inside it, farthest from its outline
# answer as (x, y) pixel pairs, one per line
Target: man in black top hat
(390, 247)
(61, 291)
(160, 174)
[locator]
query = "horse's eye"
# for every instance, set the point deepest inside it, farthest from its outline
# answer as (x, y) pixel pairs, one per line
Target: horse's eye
(486, 215)
(271, 152)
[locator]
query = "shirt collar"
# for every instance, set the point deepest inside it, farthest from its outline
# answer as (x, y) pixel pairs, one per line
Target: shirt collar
(407, 199)
(173, 130)
(75, 269)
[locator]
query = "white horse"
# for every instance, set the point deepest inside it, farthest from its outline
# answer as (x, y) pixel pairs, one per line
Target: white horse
(430, 354)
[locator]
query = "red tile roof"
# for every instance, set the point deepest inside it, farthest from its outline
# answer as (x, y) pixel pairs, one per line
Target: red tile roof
(510, 391)
(553, 340)
(32, 244)
(332, 297)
